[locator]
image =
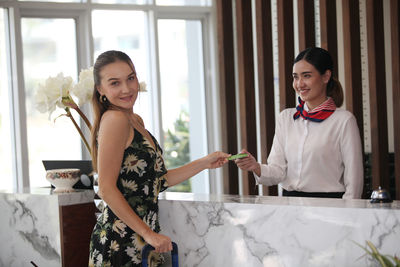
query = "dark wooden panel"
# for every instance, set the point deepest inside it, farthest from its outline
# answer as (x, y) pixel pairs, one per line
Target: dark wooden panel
(286, 53)
(77, 222)
(395, 41)
(246, 87)
(227, 91)
(265, 81)
(327, 11)
(352, 63)
(377, 91)
(306, 23)
(352, 59)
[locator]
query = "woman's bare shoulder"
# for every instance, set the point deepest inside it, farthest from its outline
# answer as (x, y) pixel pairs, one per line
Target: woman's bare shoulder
(114, 119)
(117, 115)
(114, 128)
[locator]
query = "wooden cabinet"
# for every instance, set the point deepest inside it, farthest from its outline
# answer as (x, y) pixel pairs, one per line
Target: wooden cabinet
(76, 222)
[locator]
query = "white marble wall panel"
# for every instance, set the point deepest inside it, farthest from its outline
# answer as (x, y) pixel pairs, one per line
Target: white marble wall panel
(30, 225)
(30, 230)
(239, 234)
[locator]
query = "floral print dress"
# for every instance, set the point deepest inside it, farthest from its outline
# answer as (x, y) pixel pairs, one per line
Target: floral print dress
(141, 178)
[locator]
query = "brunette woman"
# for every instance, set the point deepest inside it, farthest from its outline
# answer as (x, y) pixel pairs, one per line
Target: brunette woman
(316, 150)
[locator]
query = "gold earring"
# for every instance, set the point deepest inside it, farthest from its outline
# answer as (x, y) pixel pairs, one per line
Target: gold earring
(103, 99)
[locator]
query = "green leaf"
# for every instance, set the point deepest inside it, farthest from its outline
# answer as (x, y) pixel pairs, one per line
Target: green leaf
(383, 260)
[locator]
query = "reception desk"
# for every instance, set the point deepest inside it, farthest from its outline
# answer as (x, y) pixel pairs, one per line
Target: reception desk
(44, 229)
(277, 231)
(53, 229)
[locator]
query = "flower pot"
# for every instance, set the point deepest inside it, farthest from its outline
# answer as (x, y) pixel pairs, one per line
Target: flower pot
(63, 179)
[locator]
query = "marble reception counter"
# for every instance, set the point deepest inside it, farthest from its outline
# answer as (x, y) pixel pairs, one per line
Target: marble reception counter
(53, 229)
(44, 228)
(277, 231)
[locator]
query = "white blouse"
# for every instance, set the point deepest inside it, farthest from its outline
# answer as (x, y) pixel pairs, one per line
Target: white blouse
(316, 157)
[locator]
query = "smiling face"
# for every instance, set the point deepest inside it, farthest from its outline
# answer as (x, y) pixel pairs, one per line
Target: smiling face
(309, 84)
(119, 84)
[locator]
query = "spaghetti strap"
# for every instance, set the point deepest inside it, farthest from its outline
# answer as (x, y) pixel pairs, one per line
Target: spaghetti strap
(151, 140)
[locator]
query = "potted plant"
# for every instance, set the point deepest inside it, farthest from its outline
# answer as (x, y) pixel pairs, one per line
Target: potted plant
(383, 260)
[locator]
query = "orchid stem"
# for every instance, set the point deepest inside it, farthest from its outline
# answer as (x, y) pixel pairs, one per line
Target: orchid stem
(78, 129)
(84, 118)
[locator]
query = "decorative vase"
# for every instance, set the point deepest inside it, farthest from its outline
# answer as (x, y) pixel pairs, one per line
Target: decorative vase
(63, 179)
(86, 176)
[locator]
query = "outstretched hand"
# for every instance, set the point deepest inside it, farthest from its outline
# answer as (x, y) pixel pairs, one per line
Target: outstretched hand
(248, 163)
(216, 159)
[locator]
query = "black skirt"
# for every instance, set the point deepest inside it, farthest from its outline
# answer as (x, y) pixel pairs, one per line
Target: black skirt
(312, 194)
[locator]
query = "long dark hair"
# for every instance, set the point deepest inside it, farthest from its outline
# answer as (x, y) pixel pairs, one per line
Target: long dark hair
(100, 106)
(322, 61)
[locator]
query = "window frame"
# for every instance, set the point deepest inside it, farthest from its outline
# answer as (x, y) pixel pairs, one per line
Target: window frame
(81, 13)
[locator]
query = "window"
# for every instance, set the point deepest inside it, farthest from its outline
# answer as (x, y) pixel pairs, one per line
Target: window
(5, 134)
(182, 96)
(49, 47)
(115, 34)
(167, 46)
(138, 2)
(56, 1)
(183, 2)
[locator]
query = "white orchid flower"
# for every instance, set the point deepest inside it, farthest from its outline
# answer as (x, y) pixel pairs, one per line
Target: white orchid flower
(50, 95)
(142, 87)
(83, 90)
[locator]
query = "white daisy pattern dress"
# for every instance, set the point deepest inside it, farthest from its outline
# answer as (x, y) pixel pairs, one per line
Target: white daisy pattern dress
(141, 179)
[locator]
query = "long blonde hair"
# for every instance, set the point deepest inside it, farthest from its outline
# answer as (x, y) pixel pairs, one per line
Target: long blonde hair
(100, 106)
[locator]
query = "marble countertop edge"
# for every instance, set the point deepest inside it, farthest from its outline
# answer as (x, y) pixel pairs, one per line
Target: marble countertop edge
(80, 196)
(85, 196)
(280, 201)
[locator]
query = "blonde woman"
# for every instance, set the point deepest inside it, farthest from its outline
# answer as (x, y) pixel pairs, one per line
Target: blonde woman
(128, 160)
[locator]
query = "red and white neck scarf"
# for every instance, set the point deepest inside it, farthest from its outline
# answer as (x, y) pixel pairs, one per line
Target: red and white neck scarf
(318, 114)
